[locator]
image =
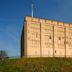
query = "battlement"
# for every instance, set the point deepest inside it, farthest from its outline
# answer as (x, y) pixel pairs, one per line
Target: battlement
(38, 20)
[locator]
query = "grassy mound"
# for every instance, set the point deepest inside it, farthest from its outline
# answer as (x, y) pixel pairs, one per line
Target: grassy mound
(36, 65)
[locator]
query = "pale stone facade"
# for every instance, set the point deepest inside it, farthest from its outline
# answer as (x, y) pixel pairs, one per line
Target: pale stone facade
(46, 38)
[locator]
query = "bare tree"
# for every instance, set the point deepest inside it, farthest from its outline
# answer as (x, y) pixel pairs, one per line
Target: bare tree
(3, 54)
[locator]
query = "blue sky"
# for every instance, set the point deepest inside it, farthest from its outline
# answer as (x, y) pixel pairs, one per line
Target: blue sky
(12, 13)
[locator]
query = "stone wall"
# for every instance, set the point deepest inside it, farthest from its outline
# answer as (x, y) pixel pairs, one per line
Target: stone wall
(47, 38)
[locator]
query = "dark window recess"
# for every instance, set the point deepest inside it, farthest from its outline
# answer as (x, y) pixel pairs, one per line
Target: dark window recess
(59, 38)
(50, 37)
(55, 51)
(64, 42)
(36, 35)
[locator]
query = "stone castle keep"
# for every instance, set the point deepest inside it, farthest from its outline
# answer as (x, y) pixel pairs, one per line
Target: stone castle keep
(46, 38)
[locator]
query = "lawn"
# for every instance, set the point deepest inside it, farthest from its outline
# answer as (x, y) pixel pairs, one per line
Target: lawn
(36, 65)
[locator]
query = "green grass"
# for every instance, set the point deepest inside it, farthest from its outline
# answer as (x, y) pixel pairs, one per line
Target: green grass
(36, 65)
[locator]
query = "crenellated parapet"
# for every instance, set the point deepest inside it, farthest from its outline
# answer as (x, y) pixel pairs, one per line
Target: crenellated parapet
(45, 21)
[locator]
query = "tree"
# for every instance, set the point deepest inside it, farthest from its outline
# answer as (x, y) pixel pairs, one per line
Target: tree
(3, 54)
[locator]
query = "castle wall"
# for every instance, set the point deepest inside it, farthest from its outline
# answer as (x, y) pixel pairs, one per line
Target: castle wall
(47, 38)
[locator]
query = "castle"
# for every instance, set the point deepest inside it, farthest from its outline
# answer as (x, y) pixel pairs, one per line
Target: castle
(46, 38)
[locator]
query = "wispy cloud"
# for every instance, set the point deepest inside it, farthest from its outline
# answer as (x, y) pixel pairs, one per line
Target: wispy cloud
(7, 32)
(12, 36)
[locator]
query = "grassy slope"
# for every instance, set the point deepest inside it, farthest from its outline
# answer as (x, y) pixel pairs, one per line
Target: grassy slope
(36, 65)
